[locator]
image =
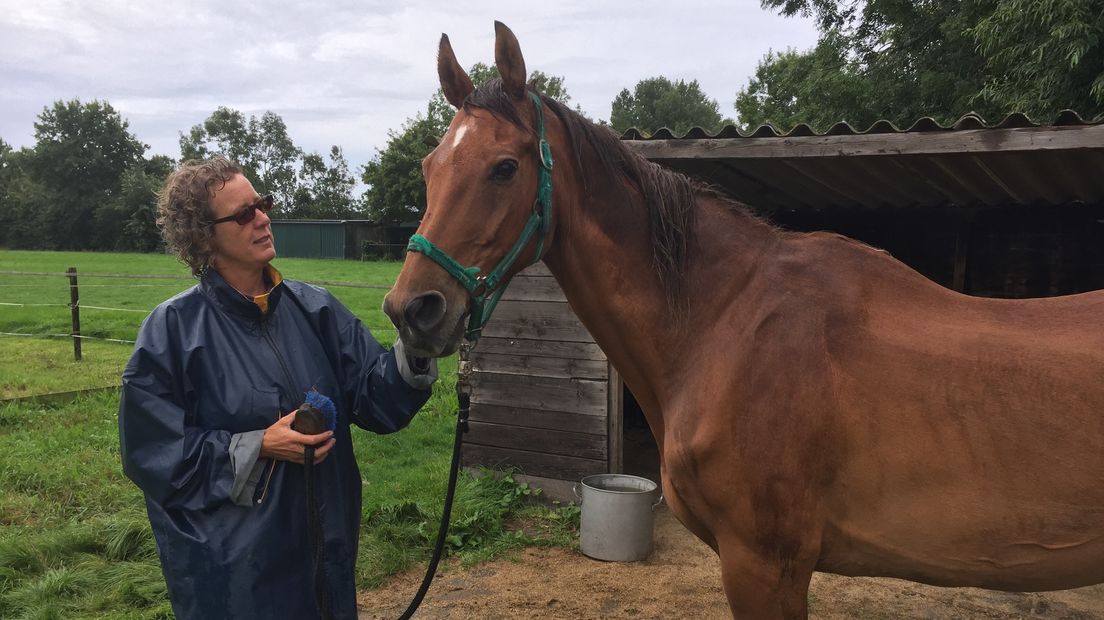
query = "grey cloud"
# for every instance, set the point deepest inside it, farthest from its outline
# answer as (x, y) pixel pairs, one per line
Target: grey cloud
(345, 71)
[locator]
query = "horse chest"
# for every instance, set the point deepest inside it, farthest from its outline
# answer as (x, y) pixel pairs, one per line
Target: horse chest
(695, 487)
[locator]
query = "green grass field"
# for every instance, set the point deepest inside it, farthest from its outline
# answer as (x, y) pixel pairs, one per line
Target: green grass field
(74, 540)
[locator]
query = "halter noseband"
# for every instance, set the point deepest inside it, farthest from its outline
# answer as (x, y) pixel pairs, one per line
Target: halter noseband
(484, 290)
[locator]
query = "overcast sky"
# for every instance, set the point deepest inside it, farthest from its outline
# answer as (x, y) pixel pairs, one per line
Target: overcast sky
(346, 72)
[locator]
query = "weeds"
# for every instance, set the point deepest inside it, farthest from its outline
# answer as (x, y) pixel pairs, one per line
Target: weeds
(485, 523)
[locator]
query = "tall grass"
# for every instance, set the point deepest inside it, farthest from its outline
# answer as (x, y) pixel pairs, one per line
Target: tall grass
(74, 539)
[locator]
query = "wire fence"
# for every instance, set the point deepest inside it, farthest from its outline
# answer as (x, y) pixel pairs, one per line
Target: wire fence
(44, 324)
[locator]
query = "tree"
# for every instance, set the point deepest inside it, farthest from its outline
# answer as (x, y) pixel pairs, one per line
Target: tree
(137, 204)
(276, 157)
(1044, 55)
(658, 102)
(80, 155)
(7, 171)
(262, 148)
(940, 58)
(791, 87)
(396, 189)
(325, 191)
(12, 180)
(227, 130)
(25, 211)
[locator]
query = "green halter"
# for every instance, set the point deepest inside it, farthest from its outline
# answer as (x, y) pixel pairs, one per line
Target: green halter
(484, 290)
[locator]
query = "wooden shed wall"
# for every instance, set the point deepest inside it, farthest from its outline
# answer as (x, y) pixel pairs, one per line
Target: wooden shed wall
(542, 389)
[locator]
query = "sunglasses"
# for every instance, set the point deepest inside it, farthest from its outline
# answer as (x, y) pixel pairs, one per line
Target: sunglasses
(247, 213)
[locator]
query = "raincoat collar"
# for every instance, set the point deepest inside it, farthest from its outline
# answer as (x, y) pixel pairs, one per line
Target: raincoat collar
(226, 297)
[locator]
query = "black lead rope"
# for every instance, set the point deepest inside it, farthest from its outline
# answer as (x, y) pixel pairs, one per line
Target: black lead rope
(317, 542)
(464, 400)
(311, 421)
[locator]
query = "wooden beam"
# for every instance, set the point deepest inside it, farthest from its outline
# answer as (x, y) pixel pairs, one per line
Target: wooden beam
(532, 463)
(538, 348)
(1073, 137)
(593, 423)
(562, 368)
(565, 443)
(533, 288)
(569, 395)
(541, 320)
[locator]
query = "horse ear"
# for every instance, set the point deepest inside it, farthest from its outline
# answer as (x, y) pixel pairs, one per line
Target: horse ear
(455, 82)
(508, 59)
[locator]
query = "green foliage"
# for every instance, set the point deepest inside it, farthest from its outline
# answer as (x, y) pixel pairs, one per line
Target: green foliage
(262, 148)
(306, 187)
(24, 204)
(85, 184)
(479, 527)
(1045, 55)
(791, 87)
(396, 190)
(373, 250)
(6, 169)
(134, 211)
(276, 156)
(658, 102)
(940, 58)
(325, 191)
(80, 155)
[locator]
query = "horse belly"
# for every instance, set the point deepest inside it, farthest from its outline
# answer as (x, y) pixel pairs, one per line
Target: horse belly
(953, 539)
(970, 464)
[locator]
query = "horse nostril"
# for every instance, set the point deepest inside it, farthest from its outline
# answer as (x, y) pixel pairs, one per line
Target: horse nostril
(425, 312)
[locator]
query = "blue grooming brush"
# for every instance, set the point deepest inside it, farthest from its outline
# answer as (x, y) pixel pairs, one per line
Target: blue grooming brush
(325, 405)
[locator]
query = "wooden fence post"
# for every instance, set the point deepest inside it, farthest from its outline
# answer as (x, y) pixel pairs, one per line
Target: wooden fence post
(74, 298)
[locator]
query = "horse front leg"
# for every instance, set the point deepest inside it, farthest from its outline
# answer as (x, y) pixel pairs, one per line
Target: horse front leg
(766, 583)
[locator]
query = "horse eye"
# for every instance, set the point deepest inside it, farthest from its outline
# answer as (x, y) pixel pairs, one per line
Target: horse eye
(504, 170)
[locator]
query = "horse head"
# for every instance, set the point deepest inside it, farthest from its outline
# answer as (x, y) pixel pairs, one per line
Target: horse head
(488, 185)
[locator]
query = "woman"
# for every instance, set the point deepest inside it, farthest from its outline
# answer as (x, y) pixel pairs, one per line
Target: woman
(205, 423)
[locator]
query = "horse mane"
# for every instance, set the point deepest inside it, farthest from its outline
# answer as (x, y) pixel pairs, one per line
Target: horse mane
(669, 197)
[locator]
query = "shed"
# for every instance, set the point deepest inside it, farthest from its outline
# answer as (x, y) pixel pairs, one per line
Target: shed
(352, 239)
(309, 238)
(1014, 209)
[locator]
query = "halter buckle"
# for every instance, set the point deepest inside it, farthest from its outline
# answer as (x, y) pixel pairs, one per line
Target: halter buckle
(480, 287)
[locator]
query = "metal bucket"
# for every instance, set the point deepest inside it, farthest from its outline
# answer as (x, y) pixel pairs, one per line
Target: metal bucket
(616, 518)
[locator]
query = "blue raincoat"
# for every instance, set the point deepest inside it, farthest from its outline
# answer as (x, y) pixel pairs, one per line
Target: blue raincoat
(209, 370)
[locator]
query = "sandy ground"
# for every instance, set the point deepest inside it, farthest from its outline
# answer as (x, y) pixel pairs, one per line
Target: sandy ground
(682, 580)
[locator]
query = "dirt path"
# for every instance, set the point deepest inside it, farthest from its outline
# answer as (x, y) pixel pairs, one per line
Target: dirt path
(682, 580)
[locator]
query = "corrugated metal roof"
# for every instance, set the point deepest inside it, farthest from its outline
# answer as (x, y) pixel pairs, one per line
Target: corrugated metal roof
(968, 164)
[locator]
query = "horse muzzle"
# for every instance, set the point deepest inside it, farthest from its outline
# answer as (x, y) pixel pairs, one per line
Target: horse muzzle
(427, 324)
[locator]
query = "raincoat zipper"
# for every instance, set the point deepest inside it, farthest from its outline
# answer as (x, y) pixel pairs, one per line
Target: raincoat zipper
(287, 377)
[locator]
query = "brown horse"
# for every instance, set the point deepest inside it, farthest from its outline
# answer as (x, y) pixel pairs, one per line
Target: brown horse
(817, 404)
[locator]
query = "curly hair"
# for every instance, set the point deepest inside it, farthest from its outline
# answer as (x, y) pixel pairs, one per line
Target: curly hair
(184, 209)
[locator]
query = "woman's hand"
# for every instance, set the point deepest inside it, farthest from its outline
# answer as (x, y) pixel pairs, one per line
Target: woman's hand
(282, 443)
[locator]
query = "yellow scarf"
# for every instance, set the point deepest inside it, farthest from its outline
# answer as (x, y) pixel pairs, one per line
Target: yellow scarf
(276, 278)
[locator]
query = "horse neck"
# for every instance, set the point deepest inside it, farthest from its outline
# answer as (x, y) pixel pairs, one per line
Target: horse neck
(602, 259)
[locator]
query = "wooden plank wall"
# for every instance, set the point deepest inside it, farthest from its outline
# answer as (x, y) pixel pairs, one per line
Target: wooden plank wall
(540, 387)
